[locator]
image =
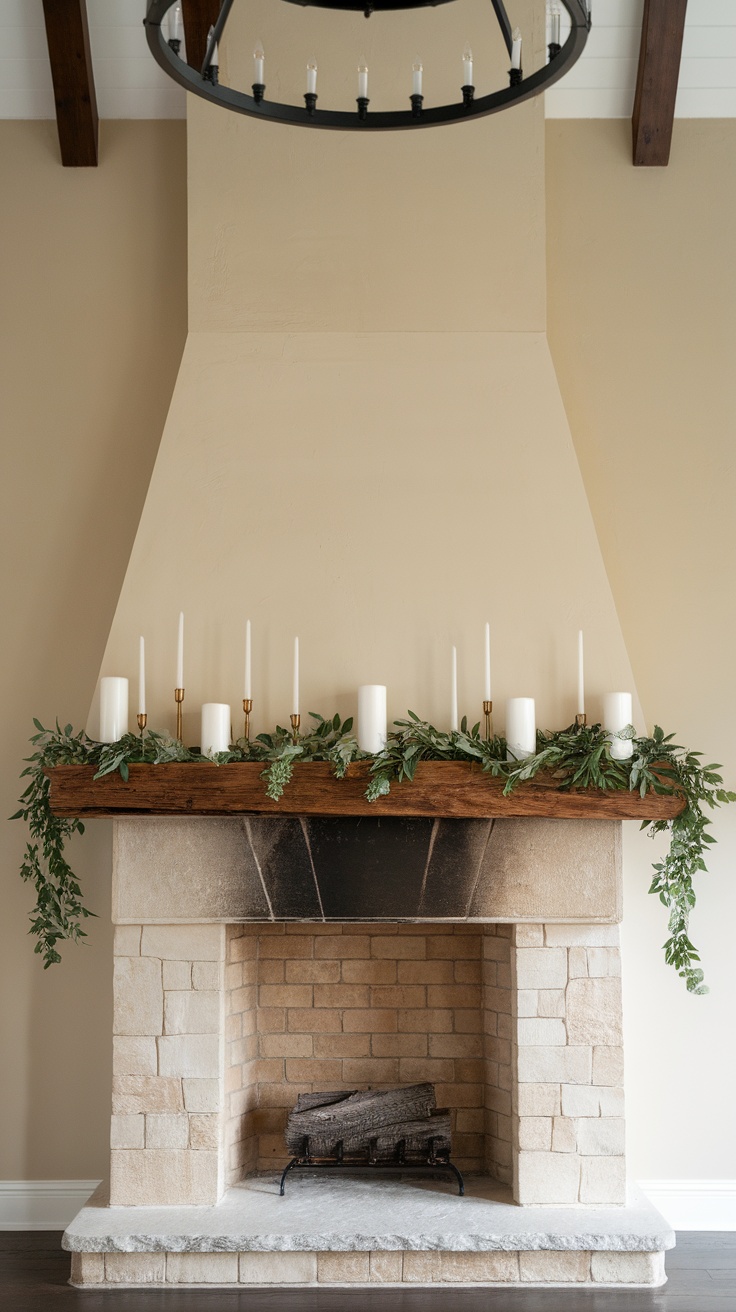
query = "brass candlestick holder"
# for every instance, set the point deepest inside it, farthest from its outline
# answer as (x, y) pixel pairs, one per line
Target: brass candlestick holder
(581, 720)
(142, 719)
(488, 712)
(179, 698)
(295, 722)
(247, 708)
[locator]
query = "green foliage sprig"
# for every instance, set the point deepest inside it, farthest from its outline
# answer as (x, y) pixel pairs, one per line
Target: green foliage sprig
(570, 758)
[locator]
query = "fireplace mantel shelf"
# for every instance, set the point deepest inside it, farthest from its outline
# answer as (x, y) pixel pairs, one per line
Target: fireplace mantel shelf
(450, 789)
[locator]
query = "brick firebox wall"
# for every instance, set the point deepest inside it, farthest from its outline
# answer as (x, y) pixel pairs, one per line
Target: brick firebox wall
(314, 1006)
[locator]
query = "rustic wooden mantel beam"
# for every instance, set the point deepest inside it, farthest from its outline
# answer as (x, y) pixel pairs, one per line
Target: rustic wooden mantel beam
(199, 16)
(662, 29)
(67, 32)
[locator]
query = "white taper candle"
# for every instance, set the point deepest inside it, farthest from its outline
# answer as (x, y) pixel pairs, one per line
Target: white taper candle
(581, 675)
(453, 703)
(180, 653)
(295, 685)
(487, 684)
(247, 686)
(141, 677)
(468, 66)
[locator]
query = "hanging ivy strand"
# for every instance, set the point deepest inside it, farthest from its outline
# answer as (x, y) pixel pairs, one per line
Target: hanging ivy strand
(576, 757)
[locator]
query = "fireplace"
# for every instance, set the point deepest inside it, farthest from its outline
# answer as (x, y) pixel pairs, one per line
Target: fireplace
(227, 1009)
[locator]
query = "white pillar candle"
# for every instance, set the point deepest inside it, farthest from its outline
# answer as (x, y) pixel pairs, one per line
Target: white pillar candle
(363, 81)
(487, 684)
(416, 78)
(516, 48)
(521, 728)
(468, 67)
(295, 682)
(141, 677)
(113, 709)
(259, 64)
(581, 675)
(372, 722)
(216, 721)
(617, 714)
(247, 686)
(180, 653)
(453, 702)
(311, 78)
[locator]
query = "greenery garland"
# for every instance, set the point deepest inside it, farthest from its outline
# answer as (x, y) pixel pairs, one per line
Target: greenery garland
(577, 757)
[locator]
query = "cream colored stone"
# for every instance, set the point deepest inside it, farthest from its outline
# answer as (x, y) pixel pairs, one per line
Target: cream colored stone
(550, 1267)
(612, 1101)
(603, 1180)
(194, 1012)
(202, 1095)
(541, 968)
(134, 1054)
(163, 1177)
(577, 963)
(205, 974)
(184, 942)
(551, 1002)
(386, 1267)
(529, 936)
(573, 936)
(603, 961)
(535, 1133)
(278, 1268)
(167, 1131)
(343, 1268)
(204, 1131)
(564, 1137)
(547, 1178)
(604, 1137)
(491, 1267)
(138, 998)
(608, 1065)
(580, 1100)
(538, 1099)
(527, 1001)
(628, 1268)
(135, 1268)
(127, 1131)
(88, 1268)
(127, 941)
(552, 1065)
(177, 974)
(541, 1032)
(190, 1055)
(593, 1011)
(145, 1093)
(422, 1267)
(202, 1268)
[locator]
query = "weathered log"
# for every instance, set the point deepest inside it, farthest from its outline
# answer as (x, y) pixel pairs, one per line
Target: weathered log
(410, 1137)
(361, 1114)
(306, 1101)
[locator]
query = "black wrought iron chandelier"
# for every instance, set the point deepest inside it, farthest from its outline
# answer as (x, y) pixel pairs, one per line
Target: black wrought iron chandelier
(164, 34)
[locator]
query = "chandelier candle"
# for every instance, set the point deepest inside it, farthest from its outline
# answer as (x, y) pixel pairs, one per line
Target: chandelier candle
(521, 728)
(372, 721)
(453, 703)
(259, 64)
(617, 714)
(113, 709)
(215, 735)
(416, 77)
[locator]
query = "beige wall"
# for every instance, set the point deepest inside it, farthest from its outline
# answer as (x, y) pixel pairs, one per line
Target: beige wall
(642, 324)
(92, 324)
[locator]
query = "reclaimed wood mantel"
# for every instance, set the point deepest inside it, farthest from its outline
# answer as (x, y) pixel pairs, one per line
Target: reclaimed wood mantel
(449, 789)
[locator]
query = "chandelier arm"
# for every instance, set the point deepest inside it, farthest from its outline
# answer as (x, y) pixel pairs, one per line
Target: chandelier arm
(385, 120)
(216, 34)
(503, 23)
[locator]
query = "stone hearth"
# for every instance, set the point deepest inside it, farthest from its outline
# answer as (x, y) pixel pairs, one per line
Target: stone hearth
(227, 1008)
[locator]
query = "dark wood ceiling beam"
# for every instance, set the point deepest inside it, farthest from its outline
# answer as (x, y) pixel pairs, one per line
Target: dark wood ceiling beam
(199, 16)
(662, 30)
(67, 32)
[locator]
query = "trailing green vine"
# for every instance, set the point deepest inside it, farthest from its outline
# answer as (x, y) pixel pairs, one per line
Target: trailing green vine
(571, 758)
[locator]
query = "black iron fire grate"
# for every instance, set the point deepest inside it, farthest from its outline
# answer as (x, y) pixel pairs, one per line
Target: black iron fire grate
(436, 1159)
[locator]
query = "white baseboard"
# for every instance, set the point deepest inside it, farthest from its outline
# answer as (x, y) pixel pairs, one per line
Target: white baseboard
(52, 1204)
(694, 1204)
(42, 1204)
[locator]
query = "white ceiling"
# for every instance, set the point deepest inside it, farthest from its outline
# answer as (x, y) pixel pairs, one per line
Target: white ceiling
(601, 85)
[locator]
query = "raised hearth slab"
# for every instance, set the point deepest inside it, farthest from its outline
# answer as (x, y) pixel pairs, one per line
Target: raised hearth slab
(358, 1214)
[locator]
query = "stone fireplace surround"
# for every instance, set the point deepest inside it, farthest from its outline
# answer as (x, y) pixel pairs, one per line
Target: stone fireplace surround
(220, 1021)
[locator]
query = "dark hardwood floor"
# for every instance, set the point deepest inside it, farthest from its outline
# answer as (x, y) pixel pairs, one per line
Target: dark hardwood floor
(34, 1273)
